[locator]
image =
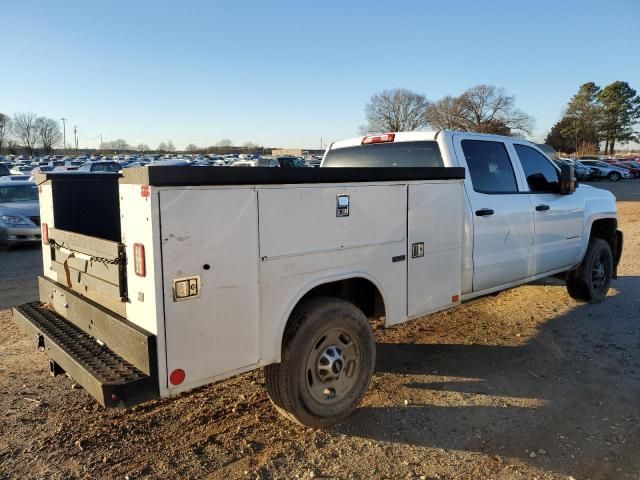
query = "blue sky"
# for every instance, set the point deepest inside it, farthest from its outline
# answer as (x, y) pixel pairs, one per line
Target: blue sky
(285, 73)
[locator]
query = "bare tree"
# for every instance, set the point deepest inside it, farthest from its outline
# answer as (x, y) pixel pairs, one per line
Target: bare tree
(162, 147)
(484, 108)
(49, 133)
(396, 110)
(4, 129)
(142, 147)
(225, 142)
(447, 114)
(192, 148)
(25, 130)
(170, 146)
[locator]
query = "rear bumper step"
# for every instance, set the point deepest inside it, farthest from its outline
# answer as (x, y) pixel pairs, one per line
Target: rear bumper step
(113, 381)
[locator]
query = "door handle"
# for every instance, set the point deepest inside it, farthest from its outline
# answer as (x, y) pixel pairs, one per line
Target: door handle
(542, 208)
(484, 212)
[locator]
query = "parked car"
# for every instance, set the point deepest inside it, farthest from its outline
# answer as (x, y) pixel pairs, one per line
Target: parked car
(244, 163)
(19, 212)
(21, 169)
(606, 170)
(635, 171)
(99, 167)
(4, 170)
(284, 162)
(582, 171)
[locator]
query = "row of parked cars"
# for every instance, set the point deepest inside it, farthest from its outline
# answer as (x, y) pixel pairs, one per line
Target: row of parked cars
(594, 168)
(30, 166)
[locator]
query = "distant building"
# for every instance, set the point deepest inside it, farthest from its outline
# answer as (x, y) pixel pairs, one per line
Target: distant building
(293, 152)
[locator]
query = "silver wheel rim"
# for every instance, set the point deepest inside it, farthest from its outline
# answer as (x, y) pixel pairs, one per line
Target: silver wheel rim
(332, 365)
(599, 275)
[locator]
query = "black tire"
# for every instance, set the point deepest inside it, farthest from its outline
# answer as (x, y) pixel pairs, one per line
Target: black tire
(590, 281)
(314, 385)
(614, 176)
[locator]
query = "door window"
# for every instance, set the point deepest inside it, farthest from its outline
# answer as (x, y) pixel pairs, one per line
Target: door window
(489, 166)
(541, 175)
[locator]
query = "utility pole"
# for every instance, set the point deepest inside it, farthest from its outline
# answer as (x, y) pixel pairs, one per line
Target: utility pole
(75, 135)
(64, 134)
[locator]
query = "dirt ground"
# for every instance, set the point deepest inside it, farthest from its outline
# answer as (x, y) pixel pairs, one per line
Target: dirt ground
(524, 385)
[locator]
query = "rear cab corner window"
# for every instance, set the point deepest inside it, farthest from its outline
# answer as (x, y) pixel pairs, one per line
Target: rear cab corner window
(396, 154)
(489, 166)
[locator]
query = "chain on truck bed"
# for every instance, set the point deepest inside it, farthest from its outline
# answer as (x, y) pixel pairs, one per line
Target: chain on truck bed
(91, 258)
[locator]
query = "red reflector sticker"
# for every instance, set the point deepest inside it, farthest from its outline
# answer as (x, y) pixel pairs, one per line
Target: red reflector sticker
(177, 376)
(39, 188)
(455, 298)
(145, 191)
(45, 234)
(139, 262)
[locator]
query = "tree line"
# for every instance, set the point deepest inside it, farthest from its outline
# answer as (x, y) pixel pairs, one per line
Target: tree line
(29, 131)
(483, 108)
(593, 116)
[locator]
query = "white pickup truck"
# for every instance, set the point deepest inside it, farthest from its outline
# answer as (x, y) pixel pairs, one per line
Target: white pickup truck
(168, 278)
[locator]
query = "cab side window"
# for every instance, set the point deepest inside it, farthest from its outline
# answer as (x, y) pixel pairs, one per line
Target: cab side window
(489, 166)
(541, 175)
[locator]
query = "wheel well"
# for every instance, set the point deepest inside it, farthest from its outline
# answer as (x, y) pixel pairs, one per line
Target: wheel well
(607, 229)
(359, 291)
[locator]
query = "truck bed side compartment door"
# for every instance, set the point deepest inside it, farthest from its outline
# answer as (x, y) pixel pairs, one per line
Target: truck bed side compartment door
(210, 277)
(434, 246)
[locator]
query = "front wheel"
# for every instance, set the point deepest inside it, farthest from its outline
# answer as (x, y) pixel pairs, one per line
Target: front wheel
(614, 176)
(590, 281)
(328, 357)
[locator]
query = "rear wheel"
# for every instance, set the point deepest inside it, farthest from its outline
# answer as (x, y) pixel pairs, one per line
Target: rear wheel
(614, 176)
(328, 357)
(590, 281)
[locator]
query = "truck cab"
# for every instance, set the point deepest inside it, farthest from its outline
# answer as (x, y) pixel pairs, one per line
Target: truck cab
(518, 224)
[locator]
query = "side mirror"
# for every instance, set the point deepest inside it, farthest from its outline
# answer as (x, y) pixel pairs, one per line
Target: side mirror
(568, 181)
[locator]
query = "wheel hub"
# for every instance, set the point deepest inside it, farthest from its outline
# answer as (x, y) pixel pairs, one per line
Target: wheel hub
(330, 363)
(331, 366)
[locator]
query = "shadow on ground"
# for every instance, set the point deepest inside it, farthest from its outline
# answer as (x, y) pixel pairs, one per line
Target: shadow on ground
(571, 390)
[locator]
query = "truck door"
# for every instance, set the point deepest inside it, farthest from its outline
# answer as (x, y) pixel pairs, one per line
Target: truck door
(502, 215)
(434, 246)
(210, 278)
(558, 218)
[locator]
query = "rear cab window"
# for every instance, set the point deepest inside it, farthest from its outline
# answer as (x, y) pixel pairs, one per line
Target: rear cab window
(396, 154)
(489, 166)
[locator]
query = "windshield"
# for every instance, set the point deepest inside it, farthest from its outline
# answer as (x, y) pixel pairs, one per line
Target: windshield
(399, 154)
(18, 193)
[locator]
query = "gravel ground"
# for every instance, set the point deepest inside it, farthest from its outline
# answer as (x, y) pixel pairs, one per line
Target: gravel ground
(526, 384)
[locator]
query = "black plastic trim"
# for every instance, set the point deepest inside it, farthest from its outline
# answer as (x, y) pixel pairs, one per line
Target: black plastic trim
(187, 176)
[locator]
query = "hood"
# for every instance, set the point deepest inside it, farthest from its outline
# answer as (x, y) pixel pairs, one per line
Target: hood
(23, 209)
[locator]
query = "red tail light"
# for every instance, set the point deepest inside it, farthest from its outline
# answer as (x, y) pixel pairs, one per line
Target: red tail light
(384, 138)
(145, 191)
(139, 262)
(45, 234)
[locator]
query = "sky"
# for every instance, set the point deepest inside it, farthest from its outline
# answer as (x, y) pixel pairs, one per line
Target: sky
(288, 73)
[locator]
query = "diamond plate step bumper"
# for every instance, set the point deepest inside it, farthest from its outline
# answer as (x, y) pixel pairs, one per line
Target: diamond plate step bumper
(113, 381)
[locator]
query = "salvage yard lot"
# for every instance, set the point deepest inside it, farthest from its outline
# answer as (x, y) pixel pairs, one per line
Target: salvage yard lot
(526, 384)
